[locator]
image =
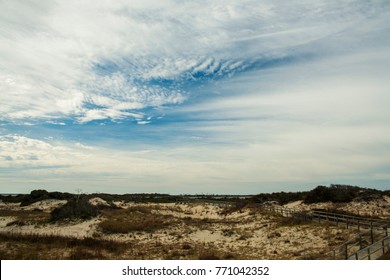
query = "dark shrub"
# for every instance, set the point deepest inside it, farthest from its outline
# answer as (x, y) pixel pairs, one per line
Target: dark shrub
(12, 198)
(38, 193)
(61, 195)
(281, 197)
(75, 209)
(34, 196)
(340, 193)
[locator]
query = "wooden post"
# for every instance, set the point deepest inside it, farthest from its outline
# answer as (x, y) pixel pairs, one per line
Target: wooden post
(346, 251)
(383, 246)
(337, 221)
(369, 254)
(372, 234)
(358, 225)
(347, 222)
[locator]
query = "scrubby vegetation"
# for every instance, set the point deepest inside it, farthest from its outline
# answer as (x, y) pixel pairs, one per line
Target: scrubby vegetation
(341, 193)
(75, 209)
(34, 246)
(280, 197)
(39, 195)
(26, 217)
(35, 196)
(133, 219)
(194, 227)
(55, 247)
(334, 193)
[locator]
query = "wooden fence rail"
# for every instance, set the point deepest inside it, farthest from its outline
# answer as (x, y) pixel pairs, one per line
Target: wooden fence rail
(365, 245)
(373, 251)
(349, 220)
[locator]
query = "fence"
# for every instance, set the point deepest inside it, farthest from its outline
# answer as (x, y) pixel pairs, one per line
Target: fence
(373, 251)
(368, 244)
(357, 243)
(349, 220)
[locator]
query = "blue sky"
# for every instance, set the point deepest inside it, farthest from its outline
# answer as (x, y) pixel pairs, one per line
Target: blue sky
(194, 96)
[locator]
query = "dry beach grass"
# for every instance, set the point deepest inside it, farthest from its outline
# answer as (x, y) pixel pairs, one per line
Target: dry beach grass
(192, 230)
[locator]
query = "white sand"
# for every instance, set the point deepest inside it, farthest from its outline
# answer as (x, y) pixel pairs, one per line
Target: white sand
(97, 201)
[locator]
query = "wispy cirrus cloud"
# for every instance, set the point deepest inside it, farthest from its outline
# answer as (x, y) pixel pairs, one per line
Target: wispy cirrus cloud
(92, 61)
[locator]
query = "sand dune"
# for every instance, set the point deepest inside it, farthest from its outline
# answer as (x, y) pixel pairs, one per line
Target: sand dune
(245, 233)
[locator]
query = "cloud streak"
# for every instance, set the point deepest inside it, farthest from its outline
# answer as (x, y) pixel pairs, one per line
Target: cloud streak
(92, 61)
(173, 94)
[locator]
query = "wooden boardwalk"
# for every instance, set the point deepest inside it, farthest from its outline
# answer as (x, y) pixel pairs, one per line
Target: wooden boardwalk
(371, 242)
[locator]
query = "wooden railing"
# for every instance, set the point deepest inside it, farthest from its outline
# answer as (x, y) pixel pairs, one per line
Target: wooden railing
(349, 220)
(368, 244)
(357, 243)
(373, 251)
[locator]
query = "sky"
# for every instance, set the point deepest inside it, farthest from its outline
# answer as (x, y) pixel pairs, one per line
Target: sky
(194, 97)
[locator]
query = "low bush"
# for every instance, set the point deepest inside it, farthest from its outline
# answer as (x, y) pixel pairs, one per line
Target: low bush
(280, 197)
(75, 209)
(334, 193)
(39, 195)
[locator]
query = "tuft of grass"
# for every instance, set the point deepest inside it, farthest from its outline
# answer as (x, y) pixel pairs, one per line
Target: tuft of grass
(81, 253)
(290, 222)
(237, 207)
(141, 209)
(208, 256)
(186, 246)
(210, 253)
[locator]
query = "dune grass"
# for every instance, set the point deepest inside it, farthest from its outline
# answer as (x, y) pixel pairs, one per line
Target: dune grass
(26, 217)
(133, 219)
(37, 246)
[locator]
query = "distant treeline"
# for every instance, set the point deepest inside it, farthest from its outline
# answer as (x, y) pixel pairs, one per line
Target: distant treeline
(39, 195)
(334, 193)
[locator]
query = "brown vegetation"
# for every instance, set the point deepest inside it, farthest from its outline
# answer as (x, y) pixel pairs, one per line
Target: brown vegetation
(132, 219)
(190, 230)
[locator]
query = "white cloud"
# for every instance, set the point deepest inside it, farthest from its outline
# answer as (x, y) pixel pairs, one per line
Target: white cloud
(50, 50)
(310, 103)
(25, 152)
(324, 121)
